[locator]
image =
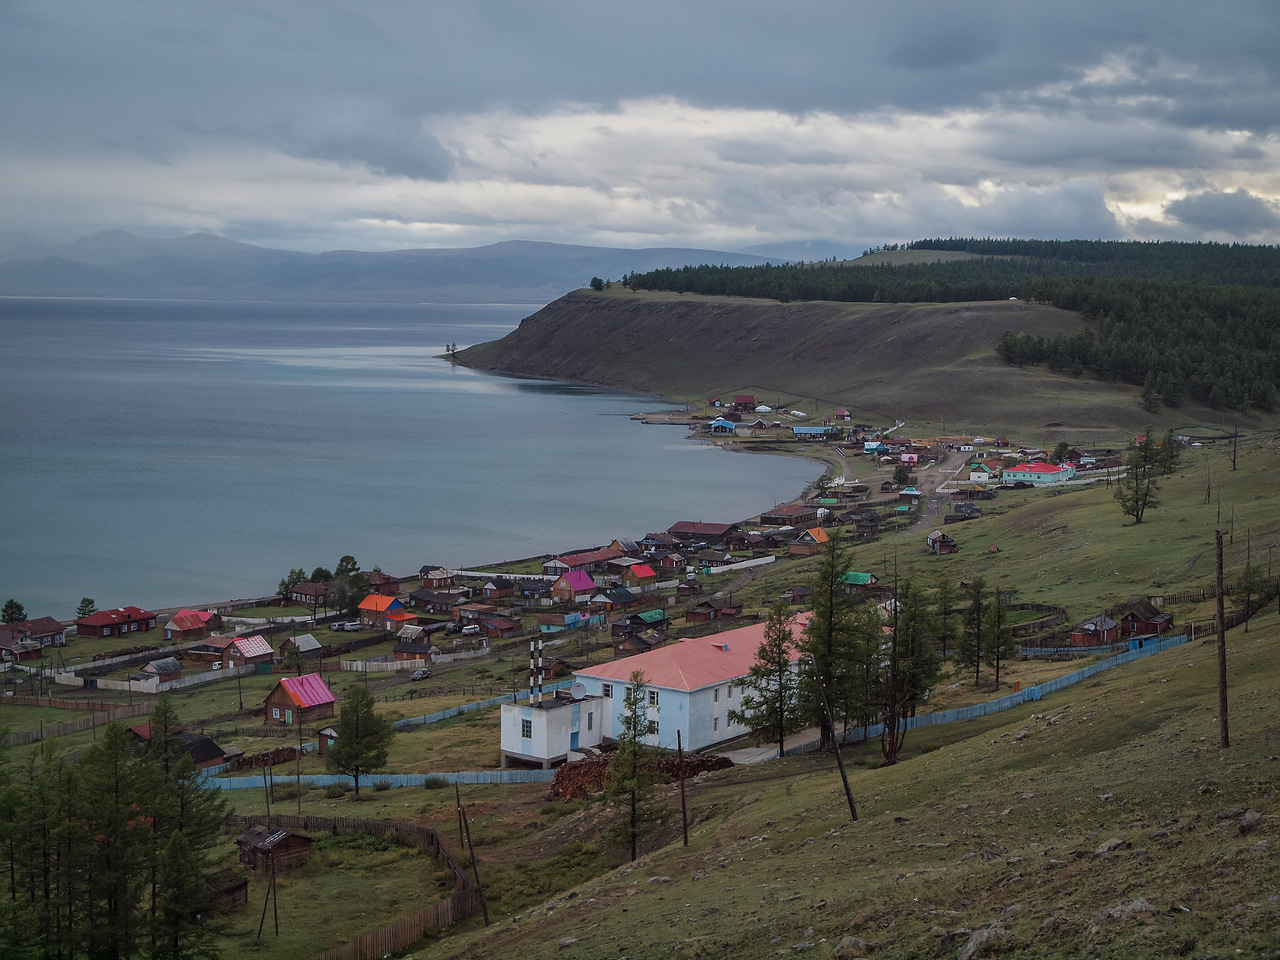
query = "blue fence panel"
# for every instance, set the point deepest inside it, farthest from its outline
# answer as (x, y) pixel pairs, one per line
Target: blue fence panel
(1000, 704)
(411, 722)
(464, 777)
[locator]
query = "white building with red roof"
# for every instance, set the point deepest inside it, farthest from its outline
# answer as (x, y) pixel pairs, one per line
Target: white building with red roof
(689, 686)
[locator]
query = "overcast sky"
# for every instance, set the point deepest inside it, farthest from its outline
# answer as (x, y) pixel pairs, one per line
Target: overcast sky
(318, 125)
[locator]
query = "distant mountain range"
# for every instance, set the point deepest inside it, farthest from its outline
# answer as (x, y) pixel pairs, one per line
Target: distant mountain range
(200, 266)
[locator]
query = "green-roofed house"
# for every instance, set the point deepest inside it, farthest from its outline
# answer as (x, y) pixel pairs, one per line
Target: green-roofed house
(910, 496)
(857, 583)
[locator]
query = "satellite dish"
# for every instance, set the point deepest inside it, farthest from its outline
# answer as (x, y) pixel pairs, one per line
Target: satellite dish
(578, 690)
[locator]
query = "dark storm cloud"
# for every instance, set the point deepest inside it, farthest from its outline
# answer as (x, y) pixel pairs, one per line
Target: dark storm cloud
(1236, 213)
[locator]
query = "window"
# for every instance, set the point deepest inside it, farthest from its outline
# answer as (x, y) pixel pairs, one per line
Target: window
(606, 690)
(591, 720)
(731, 691)
(715, 723)
(526, 729)
(715, 695)
(275, 713)
(654, 731)
(653, 698)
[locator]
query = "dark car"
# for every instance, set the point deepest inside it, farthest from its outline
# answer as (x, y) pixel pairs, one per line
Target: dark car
(423, 674)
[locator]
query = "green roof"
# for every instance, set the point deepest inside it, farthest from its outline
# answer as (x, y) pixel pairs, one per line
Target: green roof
(856, 579)
(651, 616)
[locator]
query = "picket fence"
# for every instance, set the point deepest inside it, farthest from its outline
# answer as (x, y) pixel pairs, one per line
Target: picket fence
(859, 734)
(464, 778)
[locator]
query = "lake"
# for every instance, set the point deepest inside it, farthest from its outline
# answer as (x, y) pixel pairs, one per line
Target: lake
(162, 453)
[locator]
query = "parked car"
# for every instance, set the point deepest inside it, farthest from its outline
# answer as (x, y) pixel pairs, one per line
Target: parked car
(346, 625)
(423, 674)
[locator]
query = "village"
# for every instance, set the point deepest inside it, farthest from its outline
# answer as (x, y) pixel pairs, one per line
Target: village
(668, 603)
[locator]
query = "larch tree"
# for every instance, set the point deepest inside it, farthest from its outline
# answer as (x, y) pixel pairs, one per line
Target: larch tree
(969, 648)
(769, 707)
(999, 643)
(364, 738)
(1137, 490)
(630, 778)
(827, 638)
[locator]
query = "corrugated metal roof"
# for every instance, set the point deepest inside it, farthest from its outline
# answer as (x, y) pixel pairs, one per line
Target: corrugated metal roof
(691, 664)
(376, 601)
(579, 580)
(308, 690)
(254, 646)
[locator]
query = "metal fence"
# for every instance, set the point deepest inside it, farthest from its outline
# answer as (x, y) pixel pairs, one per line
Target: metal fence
(411, 722)
(858, 734)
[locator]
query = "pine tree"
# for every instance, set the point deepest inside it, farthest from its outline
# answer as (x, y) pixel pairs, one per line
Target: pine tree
(630, 777)
(1137, 489)
(12, 612)
(999, 644)
(828, 637)
(969, 648)
(768, 706)
(87, 608)
(944, 600)
(364, 738)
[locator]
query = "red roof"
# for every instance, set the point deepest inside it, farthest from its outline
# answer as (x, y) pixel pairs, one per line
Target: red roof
(309, 690)
(204, 615)
(185, 621)
(1037, 468)
(697, 528)
(691, 664)
(107, 618)
(591, 556)
(642, 570)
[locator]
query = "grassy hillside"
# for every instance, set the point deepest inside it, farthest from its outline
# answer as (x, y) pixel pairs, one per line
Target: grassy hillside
(933, 365)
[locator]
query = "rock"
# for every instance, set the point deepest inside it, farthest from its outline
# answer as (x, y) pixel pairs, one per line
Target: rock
(1111, 846)
(1138, 907)
(981, 940)
(658, 880)
(568, 941)
(851, 947)
(1249, 820)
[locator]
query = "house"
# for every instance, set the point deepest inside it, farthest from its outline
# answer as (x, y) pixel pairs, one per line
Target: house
(615, 599)
(549, 730)
(639, 577)
(314, 595)
(628, 547)
(690, 687)
(688, 588)
(657, 542)
(795, 596)
(303, 699)
(533, 593)
(939, 542)
(722, 425)
(575, 586)
(1040, 474)
(383, 583)
(696, 530)
(185, 625)
(858, 583)
(416, 649)
(671, 561)
(499, 628)
(164, 669)
(241, 651)
(549, 623)
(435, 578)
(116, 623)
(374, 609)
(744, 403)
(211, 650)
(587, 560)
(629, 644)
(38, 633)
(716, 608)
(808, 543)
(305, 644)
(265, 848)
(866, 528)
(202, 750)
(910, 496)
(499, 588)
(399, 619)
(790, 514)
(1144, 617)
(1095, 633)
(438, 601)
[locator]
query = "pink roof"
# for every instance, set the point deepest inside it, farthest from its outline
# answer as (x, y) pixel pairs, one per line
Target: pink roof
(691, 664)
(1037, 468)
(308, 690)
(204, 615)
(579, 580)
(253, 646)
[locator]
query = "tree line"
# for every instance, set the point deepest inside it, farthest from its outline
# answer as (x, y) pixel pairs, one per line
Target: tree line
(106, 857)
(859, 666)
(1180, 320)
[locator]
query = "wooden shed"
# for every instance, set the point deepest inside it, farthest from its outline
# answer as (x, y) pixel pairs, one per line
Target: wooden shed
(263, 847)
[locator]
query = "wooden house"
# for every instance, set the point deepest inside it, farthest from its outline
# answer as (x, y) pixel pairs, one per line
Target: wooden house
(939, 542)
(164, 669)
(185, 625)
(790, 515)
(303, 699)
(1144, 617)
(574, 586)
(639, 577)
(795, 596)
(855, 583)
(314, 595)
(305, 644)
(383, 583)
(241, 651)
(1097, 632)
(32, 635)
(435, 578)
(266, 848)
(716, 608)
(374, 609)
(499, 588)
(808, 543)
(116, 623)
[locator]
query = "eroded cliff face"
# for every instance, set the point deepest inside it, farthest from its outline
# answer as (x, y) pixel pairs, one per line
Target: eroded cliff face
(923, 361)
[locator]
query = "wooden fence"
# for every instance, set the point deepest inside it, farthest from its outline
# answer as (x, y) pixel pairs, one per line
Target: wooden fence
(74, 726)
(407, 931)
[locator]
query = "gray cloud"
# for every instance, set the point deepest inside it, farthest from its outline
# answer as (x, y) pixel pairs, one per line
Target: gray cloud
(1235, 213)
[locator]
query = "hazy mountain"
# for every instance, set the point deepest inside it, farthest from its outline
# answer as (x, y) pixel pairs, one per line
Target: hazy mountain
(201, 266)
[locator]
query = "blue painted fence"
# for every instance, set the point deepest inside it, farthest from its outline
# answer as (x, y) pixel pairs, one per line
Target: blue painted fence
(408, 723)
(858, 734)
(472, 777)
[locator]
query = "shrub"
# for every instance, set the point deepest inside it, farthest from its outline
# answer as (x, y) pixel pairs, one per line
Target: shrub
(435, 782)
(381, 785)
(335, 790)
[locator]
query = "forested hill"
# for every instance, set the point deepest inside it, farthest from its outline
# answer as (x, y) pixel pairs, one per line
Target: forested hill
(1181, 320)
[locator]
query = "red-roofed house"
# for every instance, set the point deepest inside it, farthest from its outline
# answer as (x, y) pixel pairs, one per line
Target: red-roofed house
(116, 623)
(245, 650)
(374, 609)
(33, 634)
(303, 699)
(808, 543)
(639, 577)
(685, 530)
(384, 583)
(690, 686)
(744, 402)
(186, 625)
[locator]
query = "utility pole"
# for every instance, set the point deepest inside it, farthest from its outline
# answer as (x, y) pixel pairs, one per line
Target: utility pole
(1224, 740)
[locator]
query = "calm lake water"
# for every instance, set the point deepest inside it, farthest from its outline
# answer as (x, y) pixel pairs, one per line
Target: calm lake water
(176, 452)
